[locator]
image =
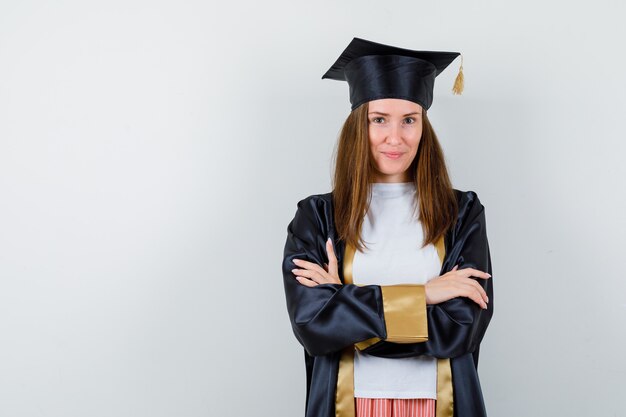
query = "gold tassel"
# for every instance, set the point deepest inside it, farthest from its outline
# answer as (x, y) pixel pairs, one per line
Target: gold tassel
(459, 82)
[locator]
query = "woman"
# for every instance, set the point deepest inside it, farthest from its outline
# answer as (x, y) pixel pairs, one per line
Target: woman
(388, 277)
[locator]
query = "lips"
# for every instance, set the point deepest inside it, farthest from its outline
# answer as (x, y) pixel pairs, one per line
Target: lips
(393, 155)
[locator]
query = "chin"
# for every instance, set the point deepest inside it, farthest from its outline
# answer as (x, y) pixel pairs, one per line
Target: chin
(394, 171)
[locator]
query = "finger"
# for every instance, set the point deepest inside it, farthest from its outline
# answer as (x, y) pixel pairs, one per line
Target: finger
(450, 272)
(475, 296)
(479, 288)
(306, 282)
(470, 292)
(467, 284)
(478, 298)
(333, 264)
(313, 275)
(309, 265)
(330, 250)
(471, 272)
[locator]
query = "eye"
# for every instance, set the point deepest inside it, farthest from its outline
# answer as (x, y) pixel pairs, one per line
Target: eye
(378, 119)
(409, 120)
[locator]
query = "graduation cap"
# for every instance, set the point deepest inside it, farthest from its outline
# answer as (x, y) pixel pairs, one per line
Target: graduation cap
(374, 71)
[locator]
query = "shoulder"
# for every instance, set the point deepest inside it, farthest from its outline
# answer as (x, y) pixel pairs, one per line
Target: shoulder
(316, 202)
(467, 199)
(314, 211)
(471, 209)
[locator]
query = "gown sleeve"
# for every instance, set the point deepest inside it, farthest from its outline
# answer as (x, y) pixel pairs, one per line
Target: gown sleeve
(456, 326)
(329, 317)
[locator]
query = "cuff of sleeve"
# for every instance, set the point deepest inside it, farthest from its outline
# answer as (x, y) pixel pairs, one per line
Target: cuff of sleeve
(367, 343)
(405, 313)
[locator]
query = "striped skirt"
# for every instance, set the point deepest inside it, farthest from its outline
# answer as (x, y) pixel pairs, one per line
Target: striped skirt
(395, 407)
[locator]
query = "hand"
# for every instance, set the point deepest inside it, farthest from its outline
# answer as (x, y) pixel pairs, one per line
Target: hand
(457, 283)
(312, 274)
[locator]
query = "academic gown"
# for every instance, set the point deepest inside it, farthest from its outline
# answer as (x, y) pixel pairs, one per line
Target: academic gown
(329, 320)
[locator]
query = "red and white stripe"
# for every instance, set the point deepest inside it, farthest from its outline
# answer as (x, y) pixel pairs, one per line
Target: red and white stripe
(395, 407)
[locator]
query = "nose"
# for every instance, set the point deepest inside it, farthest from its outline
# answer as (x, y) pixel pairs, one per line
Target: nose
(393, 138)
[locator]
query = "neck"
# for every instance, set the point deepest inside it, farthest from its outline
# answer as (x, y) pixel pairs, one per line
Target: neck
(402, 177)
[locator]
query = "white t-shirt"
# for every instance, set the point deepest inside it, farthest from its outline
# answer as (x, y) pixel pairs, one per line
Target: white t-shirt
(394, 236)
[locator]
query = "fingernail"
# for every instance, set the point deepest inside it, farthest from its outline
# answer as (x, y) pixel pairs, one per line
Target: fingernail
(295, 261)
(489, 275)
(329, 241)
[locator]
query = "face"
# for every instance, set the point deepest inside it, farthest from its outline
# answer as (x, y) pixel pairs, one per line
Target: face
(395, 130)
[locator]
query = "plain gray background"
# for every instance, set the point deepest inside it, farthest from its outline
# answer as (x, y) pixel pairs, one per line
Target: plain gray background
(152, 154)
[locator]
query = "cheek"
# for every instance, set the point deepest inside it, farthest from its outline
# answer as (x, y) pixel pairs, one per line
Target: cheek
(372, 135)
(375, 156)
(374, 139)
(416, 139)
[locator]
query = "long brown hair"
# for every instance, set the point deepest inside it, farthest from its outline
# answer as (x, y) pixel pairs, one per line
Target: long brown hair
(354, 171)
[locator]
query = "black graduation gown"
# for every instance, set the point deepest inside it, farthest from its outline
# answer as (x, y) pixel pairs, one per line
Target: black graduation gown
(328, 318)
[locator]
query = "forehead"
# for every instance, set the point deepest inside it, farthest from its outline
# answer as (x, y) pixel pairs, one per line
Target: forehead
(394, 105)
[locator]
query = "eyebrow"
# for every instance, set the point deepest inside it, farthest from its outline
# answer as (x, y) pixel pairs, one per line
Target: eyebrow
(385, 114)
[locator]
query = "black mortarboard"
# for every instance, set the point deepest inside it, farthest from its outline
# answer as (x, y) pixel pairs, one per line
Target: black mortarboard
(374, 71)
